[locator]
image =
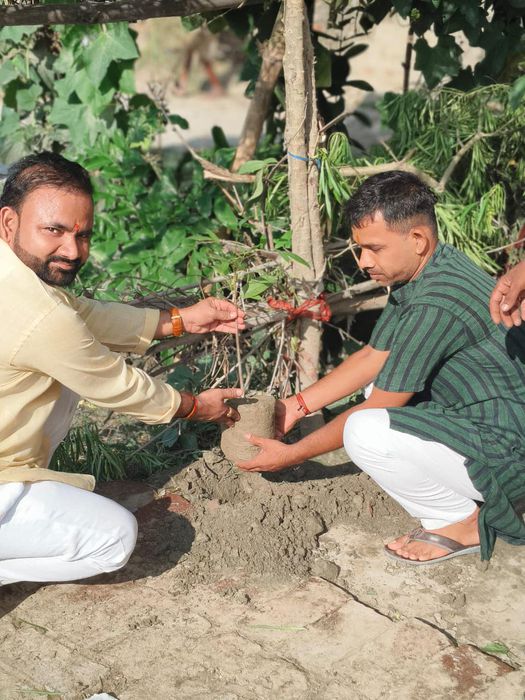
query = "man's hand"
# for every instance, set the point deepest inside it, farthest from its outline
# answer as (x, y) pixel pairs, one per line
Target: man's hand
(507, 303)
(212, 314)
(273, 457)
(211, 406)
(287, 413)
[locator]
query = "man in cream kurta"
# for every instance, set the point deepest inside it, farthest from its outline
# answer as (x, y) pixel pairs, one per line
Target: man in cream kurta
(57, 348)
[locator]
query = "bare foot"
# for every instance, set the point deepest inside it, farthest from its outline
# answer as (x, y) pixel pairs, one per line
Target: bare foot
(465, 532)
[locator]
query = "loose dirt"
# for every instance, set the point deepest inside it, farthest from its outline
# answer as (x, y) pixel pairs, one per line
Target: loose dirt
(252, 587)
(267, 524)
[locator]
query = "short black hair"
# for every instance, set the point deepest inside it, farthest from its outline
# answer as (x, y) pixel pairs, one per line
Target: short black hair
(399, 196)
(44, 169)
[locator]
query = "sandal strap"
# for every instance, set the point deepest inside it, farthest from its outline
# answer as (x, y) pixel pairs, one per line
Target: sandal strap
(422, 535)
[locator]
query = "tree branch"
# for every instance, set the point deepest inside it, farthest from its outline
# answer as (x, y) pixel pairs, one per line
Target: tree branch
(89, 12)
(459, 155)
(367, 170)
(272, 62)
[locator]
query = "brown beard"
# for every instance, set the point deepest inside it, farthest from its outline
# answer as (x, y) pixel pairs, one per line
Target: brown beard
(43, 269)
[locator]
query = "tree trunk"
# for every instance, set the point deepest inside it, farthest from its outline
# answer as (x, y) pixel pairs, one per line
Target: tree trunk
(301, 137)
(272, 63)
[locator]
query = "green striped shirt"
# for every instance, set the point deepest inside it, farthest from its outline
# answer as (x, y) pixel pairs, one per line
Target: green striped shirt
(468, 376)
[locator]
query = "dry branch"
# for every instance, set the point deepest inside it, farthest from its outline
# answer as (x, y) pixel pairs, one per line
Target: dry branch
(272, 63)
(367, 170)
(91, 12)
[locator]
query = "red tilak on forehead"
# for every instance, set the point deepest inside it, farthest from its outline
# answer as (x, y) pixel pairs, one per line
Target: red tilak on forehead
(76, 228)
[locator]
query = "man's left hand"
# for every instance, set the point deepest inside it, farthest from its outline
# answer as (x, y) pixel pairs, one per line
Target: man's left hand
(212, 314)
(273, 457)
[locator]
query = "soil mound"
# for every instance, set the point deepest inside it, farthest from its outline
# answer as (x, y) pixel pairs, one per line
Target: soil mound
(264, 523)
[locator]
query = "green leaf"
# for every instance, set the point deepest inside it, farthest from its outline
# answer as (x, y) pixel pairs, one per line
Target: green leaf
(82, 124)
(219, 137)
(127, 81)
(16, 34)
(225, 214)
(495, 648)
(253, 166)
(438, 61)
(179, 121)
(517, 92)
(355, 50)
(255, 289)
(323, 67)
(26, 99)
(288, 256)
(360, 85)
(67, 85)
(403, 7)
(192, 22)
(472, 11)
(95, 98)
(258, 187)
(115, 43)
(7, 72)
(9, 122)
(176, 244)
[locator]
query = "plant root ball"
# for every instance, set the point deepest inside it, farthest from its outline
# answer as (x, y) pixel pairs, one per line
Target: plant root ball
(257, 417)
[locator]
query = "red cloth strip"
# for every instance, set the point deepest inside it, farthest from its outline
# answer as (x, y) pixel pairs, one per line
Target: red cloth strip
(323, 313)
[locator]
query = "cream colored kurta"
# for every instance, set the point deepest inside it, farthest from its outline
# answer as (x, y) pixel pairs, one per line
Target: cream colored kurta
(56, 348)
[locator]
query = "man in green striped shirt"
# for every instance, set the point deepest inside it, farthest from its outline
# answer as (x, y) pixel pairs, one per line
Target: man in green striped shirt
(442, 428)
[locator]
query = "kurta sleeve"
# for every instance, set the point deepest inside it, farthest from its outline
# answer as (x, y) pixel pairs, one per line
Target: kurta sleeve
(424, 338)
(60, 344)
(383, 332)
(120, 327)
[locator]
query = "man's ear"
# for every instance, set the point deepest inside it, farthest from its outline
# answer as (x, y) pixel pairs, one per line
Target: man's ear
(422, 239)
(8, 224)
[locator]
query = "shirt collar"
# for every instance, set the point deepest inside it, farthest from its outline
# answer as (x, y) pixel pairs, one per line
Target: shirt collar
(403, 293)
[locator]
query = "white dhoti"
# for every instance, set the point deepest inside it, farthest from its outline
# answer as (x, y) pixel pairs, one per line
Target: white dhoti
(50, 531)
(428, 479)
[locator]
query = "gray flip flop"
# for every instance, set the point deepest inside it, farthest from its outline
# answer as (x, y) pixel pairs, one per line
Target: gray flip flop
(455, 549)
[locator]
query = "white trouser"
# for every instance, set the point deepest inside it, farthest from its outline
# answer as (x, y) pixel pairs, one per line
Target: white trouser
(428, 479)
(51, 531)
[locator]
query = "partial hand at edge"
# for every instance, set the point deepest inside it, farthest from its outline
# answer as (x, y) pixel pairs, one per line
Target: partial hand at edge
(507, 302)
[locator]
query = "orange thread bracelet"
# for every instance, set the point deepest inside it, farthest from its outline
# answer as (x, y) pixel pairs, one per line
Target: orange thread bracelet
(302, 405)
(177, 327)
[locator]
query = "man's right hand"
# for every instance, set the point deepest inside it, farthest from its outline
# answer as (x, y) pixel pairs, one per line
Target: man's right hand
(212, 409)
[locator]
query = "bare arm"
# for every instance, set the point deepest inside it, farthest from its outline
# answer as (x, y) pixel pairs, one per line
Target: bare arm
(358, 370)
(275, 455)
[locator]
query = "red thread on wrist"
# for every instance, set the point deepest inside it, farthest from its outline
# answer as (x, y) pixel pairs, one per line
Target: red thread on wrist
(302, 405)
(193, 409)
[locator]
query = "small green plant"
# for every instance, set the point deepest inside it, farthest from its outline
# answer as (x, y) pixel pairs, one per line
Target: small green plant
(85, 451)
